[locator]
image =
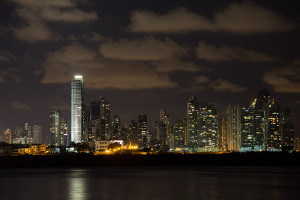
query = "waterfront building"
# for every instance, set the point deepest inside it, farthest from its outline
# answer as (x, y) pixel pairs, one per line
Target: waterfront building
(260, 104)
(233, 118)
(76, 109)
(208, 128)
(58, 128)
(286, 128)
(143, 135)
(247, 138)
(133, 133)
(193, 124)
(273, 135)
(180, 132)
(222, 134)
(105, 120)
(116, 128)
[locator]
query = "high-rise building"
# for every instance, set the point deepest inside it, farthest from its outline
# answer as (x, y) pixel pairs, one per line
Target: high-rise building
(28, 129)
(272, 127)
(180, 132)
(7, 136)
(76, 109)
(116, 128)
(95, 120)
(86, 124)
(233, 117)
(133, 133)
(193, 124)
(222, 134)
(164, 129)
(260, 103)
(58, 128)
(208, 127)
(143, 136)
(37, 134)
(105, 120)
(286, 128)
(247, 138)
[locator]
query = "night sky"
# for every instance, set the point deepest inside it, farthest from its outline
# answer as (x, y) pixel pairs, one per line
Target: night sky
(145, 55)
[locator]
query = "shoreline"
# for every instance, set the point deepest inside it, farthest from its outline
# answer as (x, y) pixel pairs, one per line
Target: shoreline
(168, 159)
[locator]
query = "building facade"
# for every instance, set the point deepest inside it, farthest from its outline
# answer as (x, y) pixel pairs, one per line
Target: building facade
(76, 109)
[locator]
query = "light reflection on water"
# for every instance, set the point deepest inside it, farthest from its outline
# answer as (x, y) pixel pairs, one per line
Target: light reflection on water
(151, 183)
(77, 185)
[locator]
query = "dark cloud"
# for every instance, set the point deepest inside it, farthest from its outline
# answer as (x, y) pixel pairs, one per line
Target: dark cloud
(20, 106)
(35, 14)
(148, 48)
(222, 85)
(226, 53)
(180, 20)
(219, 85)
(6, 56)
(285, 79)
(10, 74)
(246, 17)
(175, 64)
(100, 73)
(201, 79)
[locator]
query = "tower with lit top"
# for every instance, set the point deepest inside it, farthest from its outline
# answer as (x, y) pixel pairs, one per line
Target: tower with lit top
(76, 109)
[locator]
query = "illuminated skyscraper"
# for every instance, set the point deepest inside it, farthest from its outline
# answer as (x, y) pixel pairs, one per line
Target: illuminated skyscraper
(208, 127)
(133, 133)
(233, 116)
(105, 120)
(180, 133)
(116, 128)
(247, 138)
(58, 128)
(273, 135)
(164, 130)
(76, 109)
(260, 103)
(222, 135)
(143, 136)
(193, 124)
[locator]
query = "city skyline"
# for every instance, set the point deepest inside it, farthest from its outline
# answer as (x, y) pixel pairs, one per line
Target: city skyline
(140, 67)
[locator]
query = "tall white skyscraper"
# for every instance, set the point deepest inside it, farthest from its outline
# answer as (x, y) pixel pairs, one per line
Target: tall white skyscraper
(76, 109)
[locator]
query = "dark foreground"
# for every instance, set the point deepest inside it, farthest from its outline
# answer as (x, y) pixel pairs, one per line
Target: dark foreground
(89, 160)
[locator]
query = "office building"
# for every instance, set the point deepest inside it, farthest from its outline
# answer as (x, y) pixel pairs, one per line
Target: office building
(58, 128)
(208, 127)
(233, 118)
(143, 135)
(76, 109)
(193, 124)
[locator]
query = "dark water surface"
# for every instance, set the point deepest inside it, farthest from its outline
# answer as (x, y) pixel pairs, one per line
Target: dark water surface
(138, 183)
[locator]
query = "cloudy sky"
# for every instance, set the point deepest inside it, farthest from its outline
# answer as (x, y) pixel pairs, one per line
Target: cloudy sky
(145, 55)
